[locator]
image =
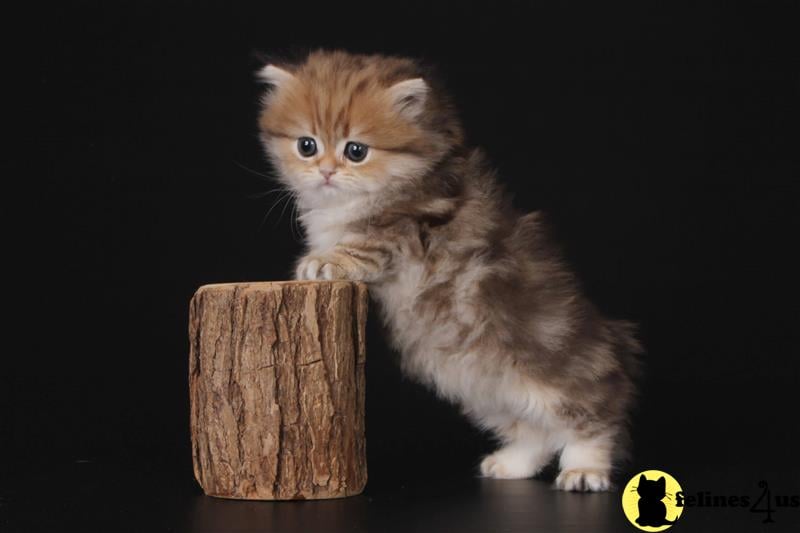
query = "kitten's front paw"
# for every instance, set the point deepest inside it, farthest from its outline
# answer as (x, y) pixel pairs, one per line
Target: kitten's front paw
(319, 268)
(583, 480)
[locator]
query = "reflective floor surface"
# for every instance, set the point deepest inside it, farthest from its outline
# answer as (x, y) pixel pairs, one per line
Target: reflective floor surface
(97, 496)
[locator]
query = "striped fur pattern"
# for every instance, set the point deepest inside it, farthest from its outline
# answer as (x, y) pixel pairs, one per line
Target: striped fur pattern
(476, 297)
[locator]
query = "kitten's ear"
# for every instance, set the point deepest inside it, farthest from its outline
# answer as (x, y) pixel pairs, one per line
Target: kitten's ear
(642, 479)
(408, 97)
(273, 75)
(663, 482)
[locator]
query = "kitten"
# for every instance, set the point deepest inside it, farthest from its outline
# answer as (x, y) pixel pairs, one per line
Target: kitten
(476, 298)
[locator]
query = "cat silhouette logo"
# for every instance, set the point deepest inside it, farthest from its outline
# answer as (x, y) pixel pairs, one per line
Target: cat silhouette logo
(649, 500)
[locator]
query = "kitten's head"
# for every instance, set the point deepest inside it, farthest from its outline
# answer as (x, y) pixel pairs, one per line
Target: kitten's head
(337, 125)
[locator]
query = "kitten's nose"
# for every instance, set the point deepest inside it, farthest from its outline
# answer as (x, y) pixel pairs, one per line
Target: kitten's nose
(327, 173)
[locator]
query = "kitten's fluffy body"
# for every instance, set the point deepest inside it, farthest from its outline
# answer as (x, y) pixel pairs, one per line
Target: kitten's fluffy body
(477, 300)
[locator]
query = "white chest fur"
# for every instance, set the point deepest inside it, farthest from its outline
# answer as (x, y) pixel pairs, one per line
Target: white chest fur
(326, 226)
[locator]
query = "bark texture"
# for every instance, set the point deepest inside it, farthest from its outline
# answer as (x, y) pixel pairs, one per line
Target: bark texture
(276, 383)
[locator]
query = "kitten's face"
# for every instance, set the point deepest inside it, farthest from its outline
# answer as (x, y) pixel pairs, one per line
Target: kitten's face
(342, 126)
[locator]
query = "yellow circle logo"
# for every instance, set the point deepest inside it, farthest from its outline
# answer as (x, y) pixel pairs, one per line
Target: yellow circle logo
(649, 500)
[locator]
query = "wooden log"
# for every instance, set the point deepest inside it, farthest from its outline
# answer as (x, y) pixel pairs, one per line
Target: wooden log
(276, 383)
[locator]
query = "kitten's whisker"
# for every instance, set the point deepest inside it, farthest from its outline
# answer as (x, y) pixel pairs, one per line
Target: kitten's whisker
(255, 172)
(267, 193)
(289, 199)
(294, 221)
(283, 197)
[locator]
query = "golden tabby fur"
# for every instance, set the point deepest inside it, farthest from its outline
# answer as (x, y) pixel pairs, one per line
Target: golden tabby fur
(477, 300)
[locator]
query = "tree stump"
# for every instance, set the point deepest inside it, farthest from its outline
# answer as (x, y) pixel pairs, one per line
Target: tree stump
(276, 383)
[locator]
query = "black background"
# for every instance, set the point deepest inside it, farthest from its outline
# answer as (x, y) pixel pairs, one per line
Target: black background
(660, 138)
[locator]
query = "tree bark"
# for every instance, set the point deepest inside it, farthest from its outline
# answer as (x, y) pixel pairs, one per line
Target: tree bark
(276, 383)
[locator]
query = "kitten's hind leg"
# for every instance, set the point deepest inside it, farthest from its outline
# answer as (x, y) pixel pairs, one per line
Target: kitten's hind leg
(526, 451)
(586, 464)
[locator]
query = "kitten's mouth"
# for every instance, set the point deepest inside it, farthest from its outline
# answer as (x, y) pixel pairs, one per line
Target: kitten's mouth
(327, 187)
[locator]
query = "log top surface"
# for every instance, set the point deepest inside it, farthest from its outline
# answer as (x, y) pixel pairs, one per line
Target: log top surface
(268, 285)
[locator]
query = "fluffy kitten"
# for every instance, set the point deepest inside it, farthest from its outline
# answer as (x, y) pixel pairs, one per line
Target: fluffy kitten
(477, 300)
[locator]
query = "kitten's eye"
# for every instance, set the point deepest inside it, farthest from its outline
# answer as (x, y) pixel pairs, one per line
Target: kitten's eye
(306, 146)
(355, 151)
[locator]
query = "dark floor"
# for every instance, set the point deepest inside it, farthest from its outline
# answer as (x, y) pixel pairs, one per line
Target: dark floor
(105, 497)
(423, 479)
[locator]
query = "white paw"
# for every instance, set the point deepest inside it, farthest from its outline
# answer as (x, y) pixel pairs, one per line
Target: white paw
(505, 465)
(318, 268)
(583, 480)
